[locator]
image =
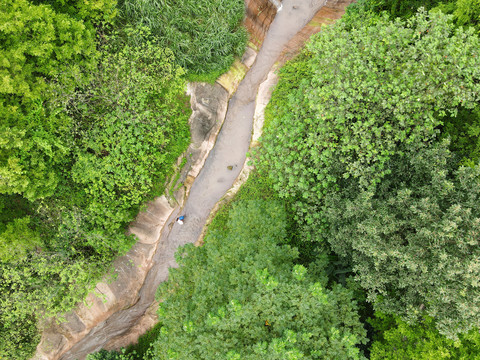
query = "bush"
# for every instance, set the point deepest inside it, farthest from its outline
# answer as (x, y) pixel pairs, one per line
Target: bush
(131, 124)
(396, 8)
(110, 355)
(204, 35)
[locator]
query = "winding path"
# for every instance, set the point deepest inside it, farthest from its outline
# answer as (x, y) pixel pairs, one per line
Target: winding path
(214, 179)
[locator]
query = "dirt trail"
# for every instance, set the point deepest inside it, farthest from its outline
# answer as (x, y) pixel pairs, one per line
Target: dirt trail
(215, 177)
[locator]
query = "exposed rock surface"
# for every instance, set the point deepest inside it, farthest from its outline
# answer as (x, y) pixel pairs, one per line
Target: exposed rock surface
(260, 14)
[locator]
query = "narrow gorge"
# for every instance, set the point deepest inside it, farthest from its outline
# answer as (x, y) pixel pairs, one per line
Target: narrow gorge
(120, 310)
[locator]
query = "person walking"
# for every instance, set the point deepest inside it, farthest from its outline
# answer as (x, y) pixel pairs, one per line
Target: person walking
(180, 219)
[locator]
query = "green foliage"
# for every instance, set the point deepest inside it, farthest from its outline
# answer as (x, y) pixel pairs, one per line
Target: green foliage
(397, 8)
(45, 283)
(142, 350)
(465, 12)
(464, 132)
(17, 239)
(18, 340)
(41, 284)
(344, 107)
(413, 242)
(240, 297)
(110, 355)
(400, 341)
(131, 125)
(204, 35)
(39, 44)
(360, 11)
(99, 12)
(258, 187)
(32, 151)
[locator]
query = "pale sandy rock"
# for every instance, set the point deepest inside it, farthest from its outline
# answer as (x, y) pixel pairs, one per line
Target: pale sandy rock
(209, 105)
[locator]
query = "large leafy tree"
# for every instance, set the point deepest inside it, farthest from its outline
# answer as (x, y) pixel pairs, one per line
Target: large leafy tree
(413, 242)
(346, 104)
(240, 297)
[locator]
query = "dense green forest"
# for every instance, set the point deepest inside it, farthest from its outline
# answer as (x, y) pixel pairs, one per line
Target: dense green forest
(355, 237)
(93, 116)
(365, 195)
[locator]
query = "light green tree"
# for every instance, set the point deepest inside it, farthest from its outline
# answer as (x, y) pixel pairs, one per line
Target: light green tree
(413, 242)
(401, 341)
(240, 296)
(39, 46)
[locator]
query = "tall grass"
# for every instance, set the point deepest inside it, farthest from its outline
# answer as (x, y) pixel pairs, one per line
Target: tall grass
(205, 35)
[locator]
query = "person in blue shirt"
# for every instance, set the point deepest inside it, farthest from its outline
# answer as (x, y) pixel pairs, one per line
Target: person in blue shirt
(180, 219)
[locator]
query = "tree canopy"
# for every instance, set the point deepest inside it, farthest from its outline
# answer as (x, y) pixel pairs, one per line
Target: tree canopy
(240, 296)
(346, 104)
(351, 139)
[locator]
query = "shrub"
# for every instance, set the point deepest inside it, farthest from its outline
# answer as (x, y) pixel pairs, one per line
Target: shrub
(204, 35)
